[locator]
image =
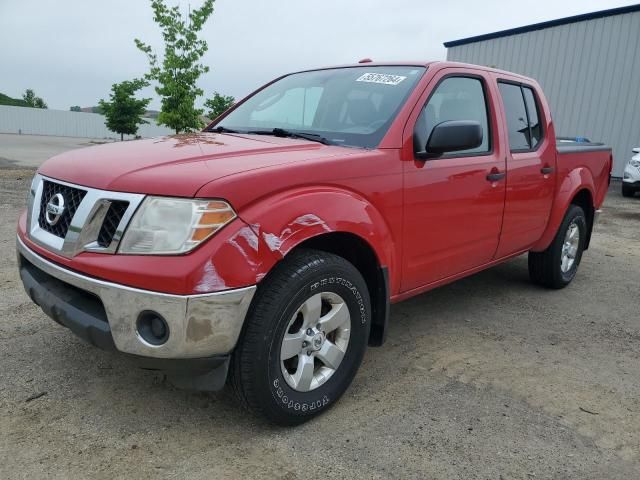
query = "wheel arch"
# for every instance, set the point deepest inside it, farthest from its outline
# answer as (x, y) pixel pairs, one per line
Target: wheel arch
(362, 256)
(584, 199)
(577, 188)
(334, 220)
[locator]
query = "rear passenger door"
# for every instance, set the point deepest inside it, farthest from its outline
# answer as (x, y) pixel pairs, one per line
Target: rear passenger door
(531, 164)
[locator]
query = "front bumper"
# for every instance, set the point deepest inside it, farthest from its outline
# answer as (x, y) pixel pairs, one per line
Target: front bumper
(631, 175)
(106, 314)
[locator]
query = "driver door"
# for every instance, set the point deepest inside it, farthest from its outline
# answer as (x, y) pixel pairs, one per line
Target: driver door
(453, 203)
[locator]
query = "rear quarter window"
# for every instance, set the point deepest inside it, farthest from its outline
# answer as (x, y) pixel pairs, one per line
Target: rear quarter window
(534, 116)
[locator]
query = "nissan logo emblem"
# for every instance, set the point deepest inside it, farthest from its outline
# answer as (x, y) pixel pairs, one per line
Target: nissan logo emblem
(55, 209)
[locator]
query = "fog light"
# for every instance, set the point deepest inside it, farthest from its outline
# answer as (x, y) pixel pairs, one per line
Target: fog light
(152, 328)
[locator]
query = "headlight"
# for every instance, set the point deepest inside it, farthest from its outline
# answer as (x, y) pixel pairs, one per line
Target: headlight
(174, 225)
(634, 163)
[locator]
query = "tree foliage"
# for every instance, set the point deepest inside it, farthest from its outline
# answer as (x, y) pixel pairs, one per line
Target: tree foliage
(15, 102)
(33, 100)
(124, 111)
(178, 72)
(218, 104)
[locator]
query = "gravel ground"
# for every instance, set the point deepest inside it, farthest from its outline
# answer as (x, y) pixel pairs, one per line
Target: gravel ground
(29, 151)
(489, 378)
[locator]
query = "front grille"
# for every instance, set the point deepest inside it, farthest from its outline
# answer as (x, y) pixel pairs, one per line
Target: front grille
(111, 222)
(72, 198)
(91, 214)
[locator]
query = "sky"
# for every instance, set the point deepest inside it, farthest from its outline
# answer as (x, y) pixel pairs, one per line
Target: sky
(71, 51)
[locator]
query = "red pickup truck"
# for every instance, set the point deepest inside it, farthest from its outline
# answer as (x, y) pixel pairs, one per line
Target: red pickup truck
(265, 250)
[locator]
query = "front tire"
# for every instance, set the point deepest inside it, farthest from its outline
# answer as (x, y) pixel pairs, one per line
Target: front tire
(304, 338)
(627, 190)
(558, 264)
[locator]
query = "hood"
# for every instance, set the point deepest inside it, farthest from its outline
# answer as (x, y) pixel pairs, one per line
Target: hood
(178, 165)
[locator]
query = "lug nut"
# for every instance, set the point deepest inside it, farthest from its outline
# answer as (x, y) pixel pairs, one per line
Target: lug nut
(309, 332)
(308, 353)
(318, 326)
(304, 344)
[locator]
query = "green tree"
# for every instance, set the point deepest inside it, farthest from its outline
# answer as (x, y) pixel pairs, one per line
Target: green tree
(32, 100)
(178, 73)
(124, 111)
(218, 104)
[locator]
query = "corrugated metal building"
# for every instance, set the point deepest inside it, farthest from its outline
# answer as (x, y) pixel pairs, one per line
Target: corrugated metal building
(36, 121)
(588, 66)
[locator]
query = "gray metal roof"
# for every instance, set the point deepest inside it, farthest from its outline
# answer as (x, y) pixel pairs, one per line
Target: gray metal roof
(543, 25)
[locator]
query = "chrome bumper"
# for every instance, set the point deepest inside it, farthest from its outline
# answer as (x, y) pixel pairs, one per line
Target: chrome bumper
(199, 325)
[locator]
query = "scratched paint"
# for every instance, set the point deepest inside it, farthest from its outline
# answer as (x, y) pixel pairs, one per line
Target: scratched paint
(273, 241)
(311, 220)
(300, 223)
(242, 237)
(249, 236)
(210, 281)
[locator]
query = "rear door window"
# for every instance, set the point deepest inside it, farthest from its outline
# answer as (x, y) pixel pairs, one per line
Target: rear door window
(523, 116)
(516, 113)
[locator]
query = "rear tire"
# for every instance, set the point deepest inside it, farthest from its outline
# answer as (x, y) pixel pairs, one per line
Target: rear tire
(627, 190)
(286, 366)
(557, 265)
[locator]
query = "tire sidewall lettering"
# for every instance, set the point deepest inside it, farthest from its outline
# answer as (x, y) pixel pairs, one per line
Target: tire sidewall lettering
(317, 399)
(299, 406)
(347, 284)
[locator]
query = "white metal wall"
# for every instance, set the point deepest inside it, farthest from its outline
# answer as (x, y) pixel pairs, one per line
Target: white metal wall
(36, 121)
(590, 72)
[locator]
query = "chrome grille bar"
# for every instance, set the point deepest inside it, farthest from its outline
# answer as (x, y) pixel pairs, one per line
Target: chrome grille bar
(93, 223)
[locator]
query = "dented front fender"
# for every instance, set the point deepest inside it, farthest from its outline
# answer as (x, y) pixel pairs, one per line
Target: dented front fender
(287, 219)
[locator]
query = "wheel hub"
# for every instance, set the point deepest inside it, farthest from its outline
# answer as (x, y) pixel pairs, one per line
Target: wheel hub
(570, 247)
(315, 342)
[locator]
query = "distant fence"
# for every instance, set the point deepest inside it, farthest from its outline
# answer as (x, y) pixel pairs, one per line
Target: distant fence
(37, 121)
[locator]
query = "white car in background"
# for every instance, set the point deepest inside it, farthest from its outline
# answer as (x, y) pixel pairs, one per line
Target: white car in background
(631, 175)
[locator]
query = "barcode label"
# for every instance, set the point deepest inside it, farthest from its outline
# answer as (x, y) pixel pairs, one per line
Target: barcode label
(383, 78)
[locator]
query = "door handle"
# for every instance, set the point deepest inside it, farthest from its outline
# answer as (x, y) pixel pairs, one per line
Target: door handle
(546, 170)
(495, 176)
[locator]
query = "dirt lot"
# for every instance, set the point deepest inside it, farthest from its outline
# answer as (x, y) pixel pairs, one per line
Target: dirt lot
(29, 151)
(488, 378)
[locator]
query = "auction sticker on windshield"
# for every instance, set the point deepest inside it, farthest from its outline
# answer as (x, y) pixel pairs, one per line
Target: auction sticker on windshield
(383, 78)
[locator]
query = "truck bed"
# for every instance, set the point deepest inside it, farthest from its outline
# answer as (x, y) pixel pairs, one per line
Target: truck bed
(596, 157)
(573, 145)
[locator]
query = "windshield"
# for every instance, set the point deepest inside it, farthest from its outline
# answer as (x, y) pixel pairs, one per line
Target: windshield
(343, 106)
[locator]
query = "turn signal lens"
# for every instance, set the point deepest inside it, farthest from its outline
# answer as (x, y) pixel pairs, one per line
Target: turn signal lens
(212, 218)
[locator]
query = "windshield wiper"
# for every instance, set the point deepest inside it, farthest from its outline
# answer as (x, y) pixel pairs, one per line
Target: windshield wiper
(222, 129)
(281, 132)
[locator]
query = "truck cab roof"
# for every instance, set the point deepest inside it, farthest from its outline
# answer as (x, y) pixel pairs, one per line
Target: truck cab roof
(426, 64)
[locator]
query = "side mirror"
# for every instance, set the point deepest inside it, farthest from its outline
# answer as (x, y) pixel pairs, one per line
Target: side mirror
(452, 136)
(636, 150)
